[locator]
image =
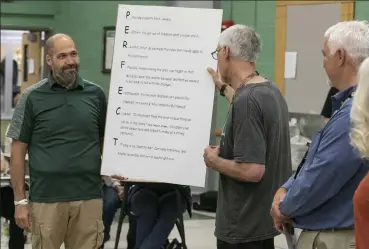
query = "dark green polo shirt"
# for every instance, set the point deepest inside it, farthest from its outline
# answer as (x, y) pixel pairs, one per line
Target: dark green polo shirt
(63, 129)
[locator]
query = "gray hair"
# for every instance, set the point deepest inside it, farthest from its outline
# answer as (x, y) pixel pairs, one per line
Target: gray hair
(360, 112)
(351, 36)
(243, 42)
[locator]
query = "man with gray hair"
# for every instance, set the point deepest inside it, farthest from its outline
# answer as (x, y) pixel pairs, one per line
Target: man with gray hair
(318, 198)
(253, 158)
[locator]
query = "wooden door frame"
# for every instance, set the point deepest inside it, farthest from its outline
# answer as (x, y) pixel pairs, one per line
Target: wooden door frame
(48, 33)
(347, 14)
(34, 51)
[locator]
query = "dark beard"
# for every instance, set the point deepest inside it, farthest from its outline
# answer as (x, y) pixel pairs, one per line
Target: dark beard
(66, 78)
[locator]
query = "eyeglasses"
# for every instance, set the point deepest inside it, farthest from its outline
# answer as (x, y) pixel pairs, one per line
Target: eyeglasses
(215, 53)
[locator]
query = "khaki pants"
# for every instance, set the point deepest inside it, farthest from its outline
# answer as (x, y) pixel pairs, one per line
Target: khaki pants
(78, 224)
(340, 239)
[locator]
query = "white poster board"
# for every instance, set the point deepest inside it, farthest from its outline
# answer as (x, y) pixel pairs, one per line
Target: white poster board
(161, 95)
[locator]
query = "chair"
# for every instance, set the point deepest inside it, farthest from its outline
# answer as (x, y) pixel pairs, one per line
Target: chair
(124, 212)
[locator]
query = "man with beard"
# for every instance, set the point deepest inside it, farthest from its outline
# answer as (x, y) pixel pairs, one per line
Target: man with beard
(254, 154)
(60, 121)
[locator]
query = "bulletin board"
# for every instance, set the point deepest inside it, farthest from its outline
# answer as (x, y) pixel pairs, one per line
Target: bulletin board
(347, 13)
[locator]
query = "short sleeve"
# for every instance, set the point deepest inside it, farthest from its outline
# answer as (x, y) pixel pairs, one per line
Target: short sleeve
(248, 132)
(103, 109)
(21, 126)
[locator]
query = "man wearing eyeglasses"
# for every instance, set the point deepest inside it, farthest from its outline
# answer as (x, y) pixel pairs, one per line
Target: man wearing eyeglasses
(254, 154)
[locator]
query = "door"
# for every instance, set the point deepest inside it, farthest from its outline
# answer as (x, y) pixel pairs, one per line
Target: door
(346, 9)
(31, 59)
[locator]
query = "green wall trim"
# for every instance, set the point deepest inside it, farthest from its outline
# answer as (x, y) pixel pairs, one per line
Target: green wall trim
(30, 7)
(259, 15)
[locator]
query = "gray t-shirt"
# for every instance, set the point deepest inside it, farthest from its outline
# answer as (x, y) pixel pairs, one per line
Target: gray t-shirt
(256, 131)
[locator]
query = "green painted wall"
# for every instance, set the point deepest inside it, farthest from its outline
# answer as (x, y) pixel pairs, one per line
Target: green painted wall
(362, 10)
(261, 16)
(39, 14)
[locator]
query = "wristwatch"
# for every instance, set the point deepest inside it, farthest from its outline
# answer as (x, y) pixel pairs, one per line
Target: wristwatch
(222, 89)
(21, 202)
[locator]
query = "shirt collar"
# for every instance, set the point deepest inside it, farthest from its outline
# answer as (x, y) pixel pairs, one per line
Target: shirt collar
(341, 97)
(52, 81)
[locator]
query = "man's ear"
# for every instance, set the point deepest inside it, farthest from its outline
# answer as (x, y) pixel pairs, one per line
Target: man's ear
(341, 54)
(227, 52)
(48, 60)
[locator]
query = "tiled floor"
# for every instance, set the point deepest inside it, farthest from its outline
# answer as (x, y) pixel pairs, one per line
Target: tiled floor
(199, 235)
